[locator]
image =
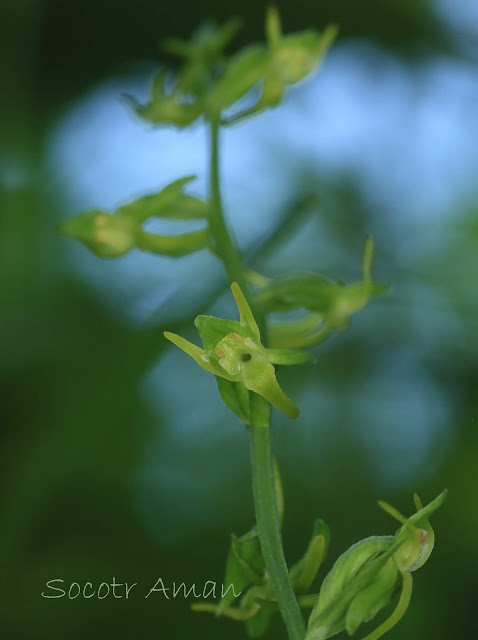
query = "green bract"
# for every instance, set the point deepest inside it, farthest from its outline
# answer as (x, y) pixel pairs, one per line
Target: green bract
(245, 571)
(111, 236)
(233, 351)
(366, 577)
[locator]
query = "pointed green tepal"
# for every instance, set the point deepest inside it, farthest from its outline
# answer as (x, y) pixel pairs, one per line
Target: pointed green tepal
(246, 318)
(197, 354)
(233, 351)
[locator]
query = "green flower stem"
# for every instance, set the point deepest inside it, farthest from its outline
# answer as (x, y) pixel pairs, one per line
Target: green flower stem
(220, 235)
(269, 531)
(262, 468)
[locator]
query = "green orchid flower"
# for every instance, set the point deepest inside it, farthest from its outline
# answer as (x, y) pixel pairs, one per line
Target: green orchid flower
(168, 105)
(114, 235)
(234, 353)
(180, 99)
(366, 577)
(281, 62)
(291, 58)
(329, 304)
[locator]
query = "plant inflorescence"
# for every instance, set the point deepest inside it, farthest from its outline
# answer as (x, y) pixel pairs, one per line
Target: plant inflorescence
(242, 354)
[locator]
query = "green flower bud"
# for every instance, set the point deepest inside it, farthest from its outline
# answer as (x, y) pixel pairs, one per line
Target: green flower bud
(365, 578)
(107, 236)
(233, 351)
(329, 615)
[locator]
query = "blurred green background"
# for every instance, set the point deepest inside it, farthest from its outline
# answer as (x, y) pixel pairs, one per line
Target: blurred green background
(118, 459)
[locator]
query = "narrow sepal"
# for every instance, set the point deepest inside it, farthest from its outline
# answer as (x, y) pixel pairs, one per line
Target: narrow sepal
(246, 317)
(198, 354)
